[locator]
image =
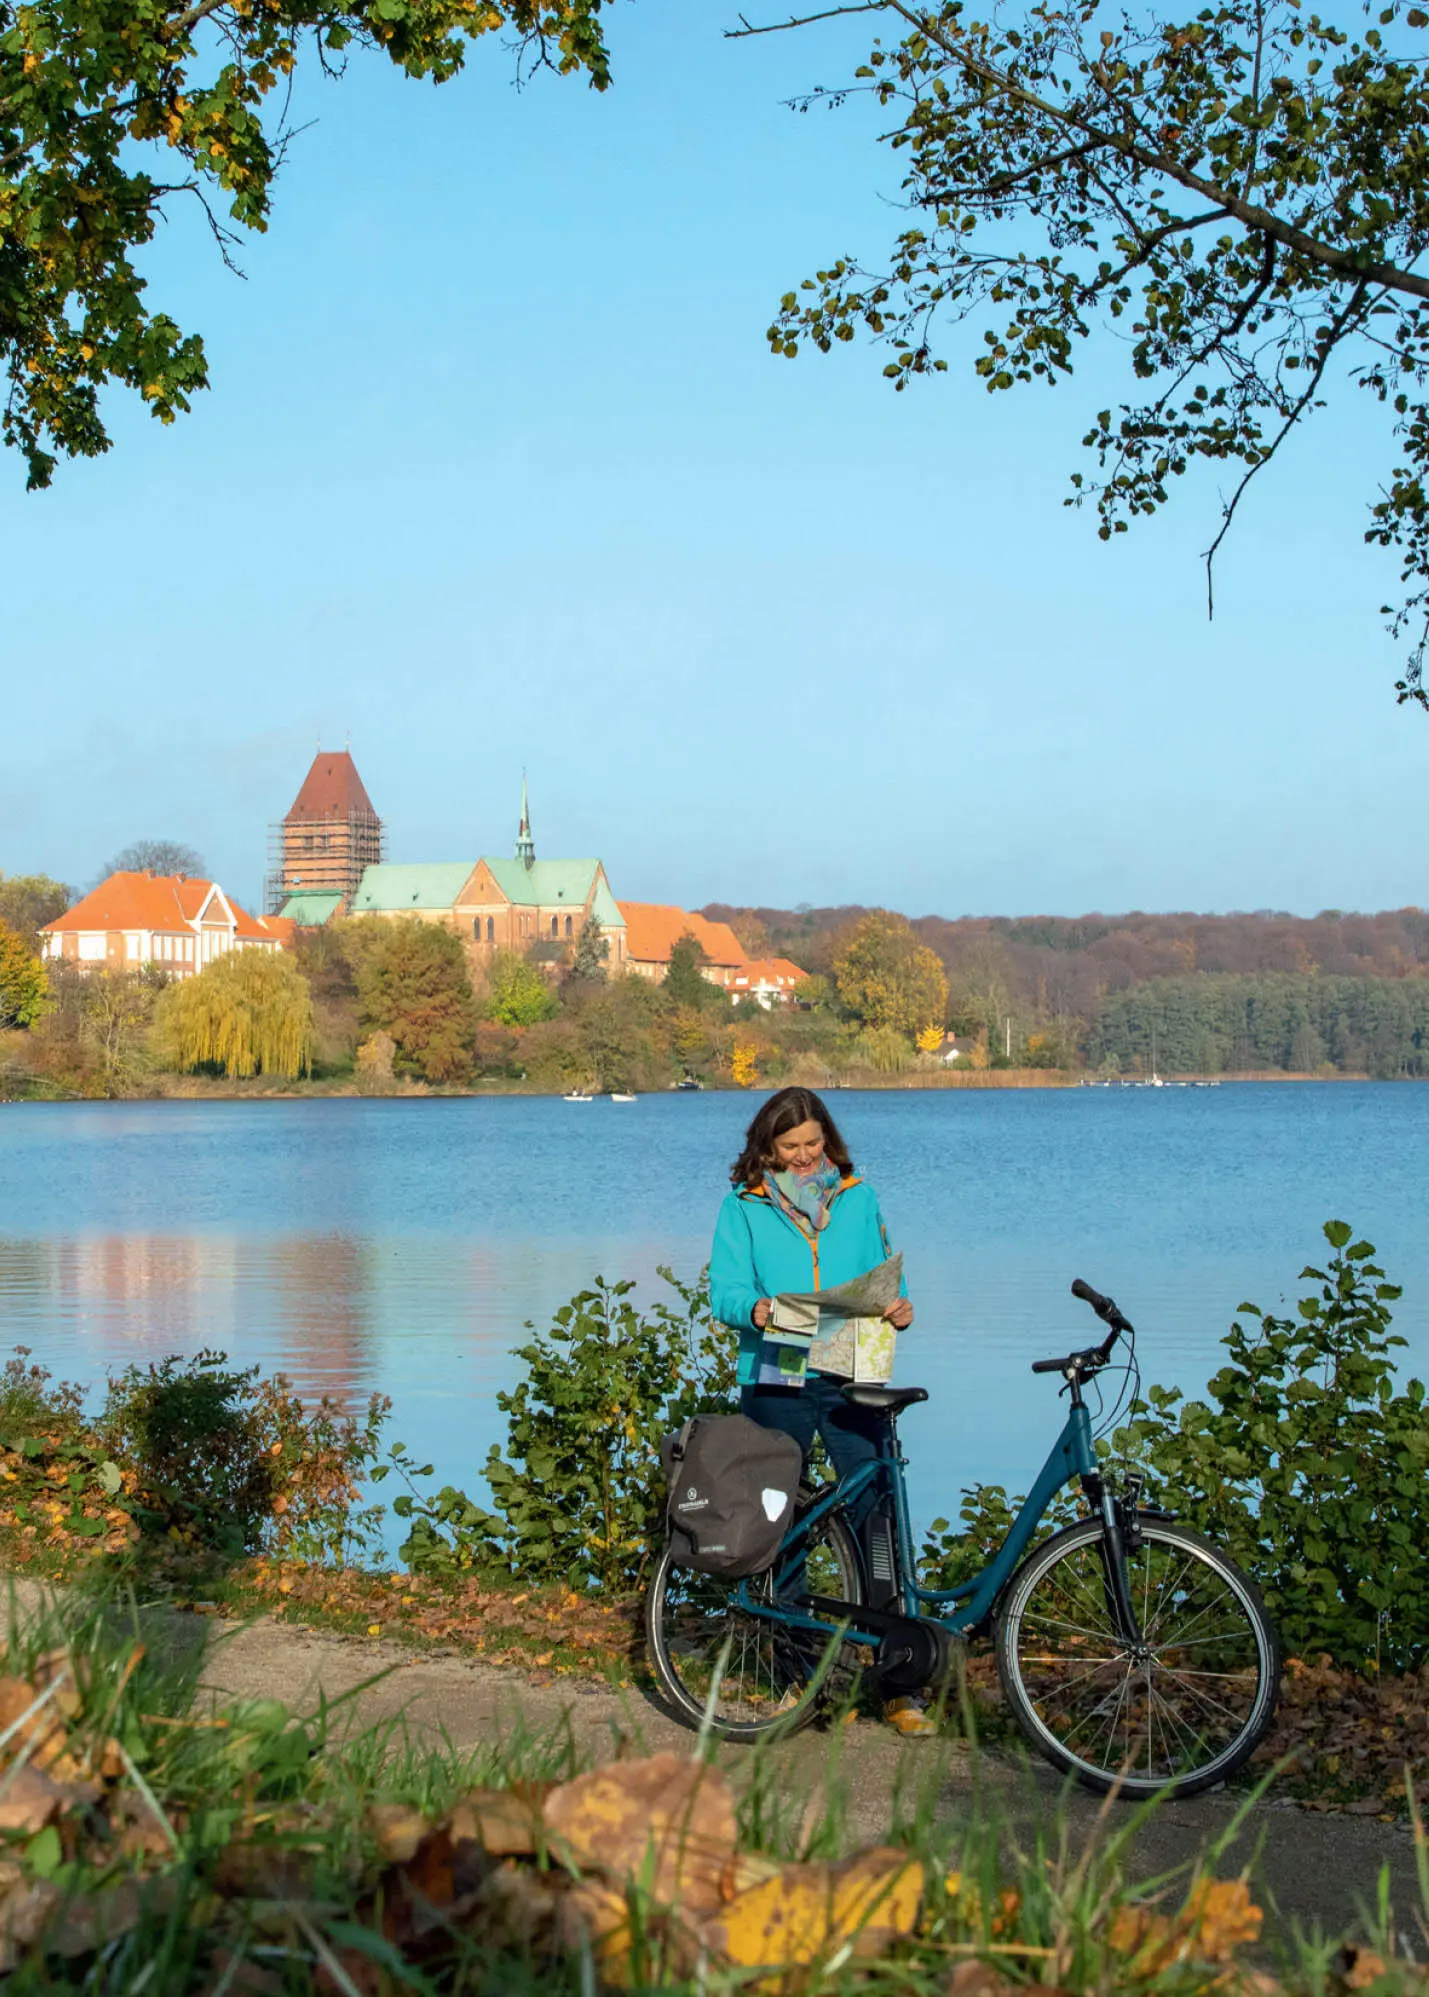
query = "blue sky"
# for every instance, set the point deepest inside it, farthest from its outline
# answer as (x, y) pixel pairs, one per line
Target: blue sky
(496, 470)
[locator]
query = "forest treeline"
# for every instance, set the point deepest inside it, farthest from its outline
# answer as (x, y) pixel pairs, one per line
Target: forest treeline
(1201, 994)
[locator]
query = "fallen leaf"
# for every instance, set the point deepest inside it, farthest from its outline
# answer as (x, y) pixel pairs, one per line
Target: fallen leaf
(662, 1820)
(506, 1823)
(397, 1830)
(806, 1912)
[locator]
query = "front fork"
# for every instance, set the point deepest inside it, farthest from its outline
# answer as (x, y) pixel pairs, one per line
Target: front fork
(1120, 1543)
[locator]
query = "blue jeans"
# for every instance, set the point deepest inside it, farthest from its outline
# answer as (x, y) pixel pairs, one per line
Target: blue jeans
(851, 1435)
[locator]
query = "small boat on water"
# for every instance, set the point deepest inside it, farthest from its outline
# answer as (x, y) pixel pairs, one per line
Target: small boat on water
(620, 1096)
(688, 1084)
(578, 1096)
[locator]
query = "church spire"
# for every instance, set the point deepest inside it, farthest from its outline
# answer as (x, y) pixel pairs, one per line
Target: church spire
(525, 845)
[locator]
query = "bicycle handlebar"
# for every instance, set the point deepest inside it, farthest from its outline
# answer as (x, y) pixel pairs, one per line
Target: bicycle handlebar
(1093, 1356)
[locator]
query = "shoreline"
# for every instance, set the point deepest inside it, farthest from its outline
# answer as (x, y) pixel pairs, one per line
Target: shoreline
(193, 1089)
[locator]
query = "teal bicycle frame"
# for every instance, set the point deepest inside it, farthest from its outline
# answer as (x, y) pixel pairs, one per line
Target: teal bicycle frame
(960, 1610)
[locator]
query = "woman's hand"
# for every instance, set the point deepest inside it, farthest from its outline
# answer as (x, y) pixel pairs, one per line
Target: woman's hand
(900, 1314)
(761, 1311)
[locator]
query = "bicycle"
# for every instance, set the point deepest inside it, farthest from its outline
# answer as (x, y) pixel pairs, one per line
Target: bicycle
(1133, 1653)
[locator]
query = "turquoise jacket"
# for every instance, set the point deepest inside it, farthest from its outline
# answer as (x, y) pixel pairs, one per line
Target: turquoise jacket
(758, 1252)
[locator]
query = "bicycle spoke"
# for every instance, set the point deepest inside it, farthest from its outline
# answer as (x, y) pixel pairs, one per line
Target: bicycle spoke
(1164, 1711)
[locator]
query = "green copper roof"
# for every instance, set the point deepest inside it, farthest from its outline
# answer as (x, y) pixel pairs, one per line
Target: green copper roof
(391, 888)
(310, 910)
(604, 910)
(546, 883)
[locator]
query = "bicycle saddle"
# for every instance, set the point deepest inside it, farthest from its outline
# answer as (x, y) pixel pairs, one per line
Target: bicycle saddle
(884, 1400)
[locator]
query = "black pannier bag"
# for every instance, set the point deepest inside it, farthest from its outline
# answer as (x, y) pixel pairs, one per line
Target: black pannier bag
(732, 1486)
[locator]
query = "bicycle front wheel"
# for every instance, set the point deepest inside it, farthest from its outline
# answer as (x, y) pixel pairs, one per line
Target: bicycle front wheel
(711, 1654)
(1182, 1709)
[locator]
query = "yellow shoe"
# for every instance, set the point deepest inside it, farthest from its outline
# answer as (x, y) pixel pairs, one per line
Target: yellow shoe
(911, 1720)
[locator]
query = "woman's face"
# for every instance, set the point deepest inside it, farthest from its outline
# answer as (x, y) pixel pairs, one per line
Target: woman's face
(800, 1149)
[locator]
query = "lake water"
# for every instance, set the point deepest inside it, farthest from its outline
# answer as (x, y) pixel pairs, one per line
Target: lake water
(402, 1245)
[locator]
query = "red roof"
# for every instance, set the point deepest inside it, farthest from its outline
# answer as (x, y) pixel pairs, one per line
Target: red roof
(776, 971)
(652, 929)
(153, 901)
(331, 789)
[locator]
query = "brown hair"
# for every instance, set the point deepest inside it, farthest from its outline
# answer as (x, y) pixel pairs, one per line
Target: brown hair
(785, 1110)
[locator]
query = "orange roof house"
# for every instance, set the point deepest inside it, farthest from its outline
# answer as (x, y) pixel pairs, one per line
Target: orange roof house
(766, 981)
(175, 922)
(652, 929)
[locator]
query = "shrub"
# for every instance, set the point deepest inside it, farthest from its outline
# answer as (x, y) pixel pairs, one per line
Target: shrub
(1308, 1464)
(233, 1463)
(579, 1491)
(189, 1429)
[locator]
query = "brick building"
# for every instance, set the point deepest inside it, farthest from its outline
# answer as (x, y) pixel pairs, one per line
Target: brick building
(652, 929)
(328, 838)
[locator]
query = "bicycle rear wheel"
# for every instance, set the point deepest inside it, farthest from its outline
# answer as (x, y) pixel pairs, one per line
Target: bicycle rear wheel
(1181, 1710)
(710, 1653)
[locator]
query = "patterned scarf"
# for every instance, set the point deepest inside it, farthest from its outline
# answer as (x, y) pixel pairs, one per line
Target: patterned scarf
(805, 1196)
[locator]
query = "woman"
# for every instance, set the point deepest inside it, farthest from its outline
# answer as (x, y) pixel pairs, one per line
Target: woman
(800, 1219)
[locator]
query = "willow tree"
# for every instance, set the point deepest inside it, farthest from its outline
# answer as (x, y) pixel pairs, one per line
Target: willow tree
(247, 1013)
(1233, 200)
(114, 111)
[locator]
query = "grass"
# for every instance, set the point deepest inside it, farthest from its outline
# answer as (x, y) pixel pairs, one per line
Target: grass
(232, 1848)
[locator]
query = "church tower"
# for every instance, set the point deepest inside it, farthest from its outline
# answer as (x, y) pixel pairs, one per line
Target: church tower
(525, 844)
(328, 837)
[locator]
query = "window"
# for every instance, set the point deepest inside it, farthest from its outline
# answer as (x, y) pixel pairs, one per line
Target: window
(568, 926)
(131, 946)
(556, 926)
(91, 947)
(491, 928)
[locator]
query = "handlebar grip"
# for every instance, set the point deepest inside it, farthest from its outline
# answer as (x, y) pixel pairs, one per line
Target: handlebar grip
(1088, 1295)
(1048, 1365)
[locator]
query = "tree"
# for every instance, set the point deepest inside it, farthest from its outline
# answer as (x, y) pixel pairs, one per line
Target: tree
(1240, 191)
(685, 984)
(888, 979)
(29, 901)
(24, 988)
(248, 1013)
(413, 983)
(155, 856)
(108, 111)
(517, 994)
(587, 966)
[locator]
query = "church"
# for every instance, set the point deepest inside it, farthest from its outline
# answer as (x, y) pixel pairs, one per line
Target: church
(537, 907)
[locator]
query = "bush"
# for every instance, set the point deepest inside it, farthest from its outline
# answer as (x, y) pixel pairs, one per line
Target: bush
(1308, 1464)
(579, 1491)
(189, 1429)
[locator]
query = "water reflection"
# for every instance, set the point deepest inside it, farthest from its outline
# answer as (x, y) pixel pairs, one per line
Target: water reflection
(90, 1304)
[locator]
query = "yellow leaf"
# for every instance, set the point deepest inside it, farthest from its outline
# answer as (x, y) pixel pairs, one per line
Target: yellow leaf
(806, 1912)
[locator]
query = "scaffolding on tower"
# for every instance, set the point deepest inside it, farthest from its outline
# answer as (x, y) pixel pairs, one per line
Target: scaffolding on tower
(326, 839)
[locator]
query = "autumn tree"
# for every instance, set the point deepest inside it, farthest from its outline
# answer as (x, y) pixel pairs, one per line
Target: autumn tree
(889, 980)
(413, 983)
(517, 992)
(155, 856)
(592, 951)
(113, 111)
(1231, 199)
(29, 901)
(24, 988)
(248, 1013)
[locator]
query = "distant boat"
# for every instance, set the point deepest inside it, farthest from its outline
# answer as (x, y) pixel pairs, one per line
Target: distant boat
(620, 1096)
(689, 1083)
(578, 1096)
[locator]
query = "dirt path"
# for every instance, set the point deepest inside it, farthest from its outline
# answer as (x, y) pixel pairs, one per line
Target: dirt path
(1312, 1870)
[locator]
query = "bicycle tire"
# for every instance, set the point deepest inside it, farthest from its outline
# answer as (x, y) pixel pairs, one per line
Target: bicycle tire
(1206, 1678)
(689, 1618)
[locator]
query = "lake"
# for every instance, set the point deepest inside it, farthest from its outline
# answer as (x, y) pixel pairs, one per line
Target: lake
(403, 1244)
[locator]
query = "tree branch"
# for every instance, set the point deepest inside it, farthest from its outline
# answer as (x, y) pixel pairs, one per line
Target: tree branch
(1151, 159)
(1338, 327)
